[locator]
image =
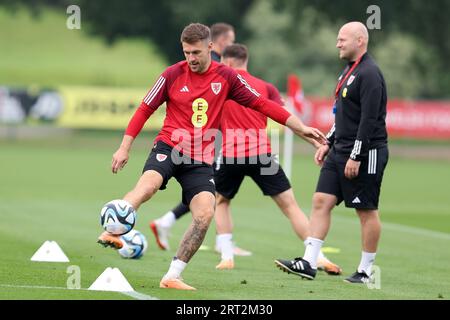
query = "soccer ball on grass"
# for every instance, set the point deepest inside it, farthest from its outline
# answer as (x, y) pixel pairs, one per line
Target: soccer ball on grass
(134, 245)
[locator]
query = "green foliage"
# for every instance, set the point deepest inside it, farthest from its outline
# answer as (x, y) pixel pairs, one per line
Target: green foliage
(300, 37)
(42, 51)
(414, 74)
(271, 56)
(302, 46)
(425, 24)
(160, 21)
(287, 35)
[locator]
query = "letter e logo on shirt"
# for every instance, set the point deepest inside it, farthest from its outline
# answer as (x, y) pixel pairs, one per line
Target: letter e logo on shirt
(199, 117)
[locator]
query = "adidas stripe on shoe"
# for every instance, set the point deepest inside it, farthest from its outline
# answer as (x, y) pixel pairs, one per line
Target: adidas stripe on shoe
(298, 266)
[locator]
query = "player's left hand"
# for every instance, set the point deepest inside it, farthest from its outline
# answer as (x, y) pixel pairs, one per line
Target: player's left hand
(352, 169)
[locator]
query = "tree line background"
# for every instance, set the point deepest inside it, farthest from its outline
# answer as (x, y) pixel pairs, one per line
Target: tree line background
(290, 36)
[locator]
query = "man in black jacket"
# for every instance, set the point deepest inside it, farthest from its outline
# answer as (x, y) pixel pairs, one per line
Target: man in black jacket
(354, 160)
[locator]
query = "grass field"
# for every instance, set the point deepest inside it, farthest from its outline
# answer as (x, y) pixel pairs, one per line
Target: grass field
(42, 52)
(54, 189)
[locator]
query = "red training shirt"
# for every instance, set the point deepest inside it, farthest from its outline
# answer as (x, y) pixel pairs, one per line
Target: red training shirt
(194, 106)
(243, 129)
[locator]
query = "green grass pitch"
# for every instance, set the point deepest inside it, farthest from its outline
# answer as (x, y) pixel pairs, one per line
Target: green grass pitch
(54, 190)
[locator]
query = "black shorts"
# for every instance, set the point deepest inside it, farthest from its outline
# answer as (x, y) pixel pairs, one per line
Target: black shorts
(193, 177)
(265, 171)
(362, 192)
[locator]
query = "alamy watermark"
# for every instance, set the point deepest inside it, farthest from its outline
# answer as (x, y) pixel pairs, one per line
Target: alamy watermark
(74, 20)
(374, 20)
(375, 278)
(74, 280)
(240, 146)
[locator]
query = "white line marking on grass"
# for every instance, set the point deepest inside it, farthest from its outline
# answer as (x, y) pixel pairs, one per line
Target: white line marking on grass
(34, 287)
(134, 294)
(139, 296)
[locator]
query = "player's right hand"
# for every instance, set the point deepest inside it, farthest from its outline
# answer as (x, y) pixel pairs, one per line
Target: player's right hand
(119, 160)
(321, 153)
(314, 133)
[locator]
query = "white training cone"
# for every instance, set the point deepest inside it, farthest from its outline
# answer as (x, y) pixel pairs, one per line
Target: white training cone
(111, 280)
(50, 251)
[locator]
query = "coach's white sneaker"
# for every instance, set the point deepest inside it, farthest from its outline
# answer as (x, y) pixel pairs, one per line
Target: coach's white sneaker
(161, 234)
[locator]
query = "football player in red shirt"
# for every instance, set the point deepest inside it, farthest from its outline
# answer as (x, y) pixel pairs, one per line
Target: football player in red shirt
(195, 91)
(222, 35)
(246, 151)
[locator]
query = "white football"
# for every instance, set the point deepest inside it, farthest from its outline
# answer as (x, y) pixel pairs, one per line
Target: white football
(118, 217)
(134, 245)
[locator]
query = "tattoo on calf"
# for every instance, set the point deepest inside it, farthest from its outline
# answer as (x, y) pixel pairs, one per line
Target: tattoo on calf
(192, 239)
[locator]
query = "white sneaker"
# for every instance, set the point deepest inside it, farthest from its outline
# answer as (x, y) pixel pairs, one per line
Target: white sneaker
(161, 235)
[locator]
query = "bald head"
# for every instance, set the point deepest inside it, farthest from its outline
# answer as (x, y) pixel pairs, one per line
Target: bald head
(352, 40)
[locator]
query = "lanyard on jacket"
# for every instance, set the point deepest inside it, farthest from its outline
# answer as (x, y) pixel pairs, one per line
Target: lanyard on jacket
(341, 82)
